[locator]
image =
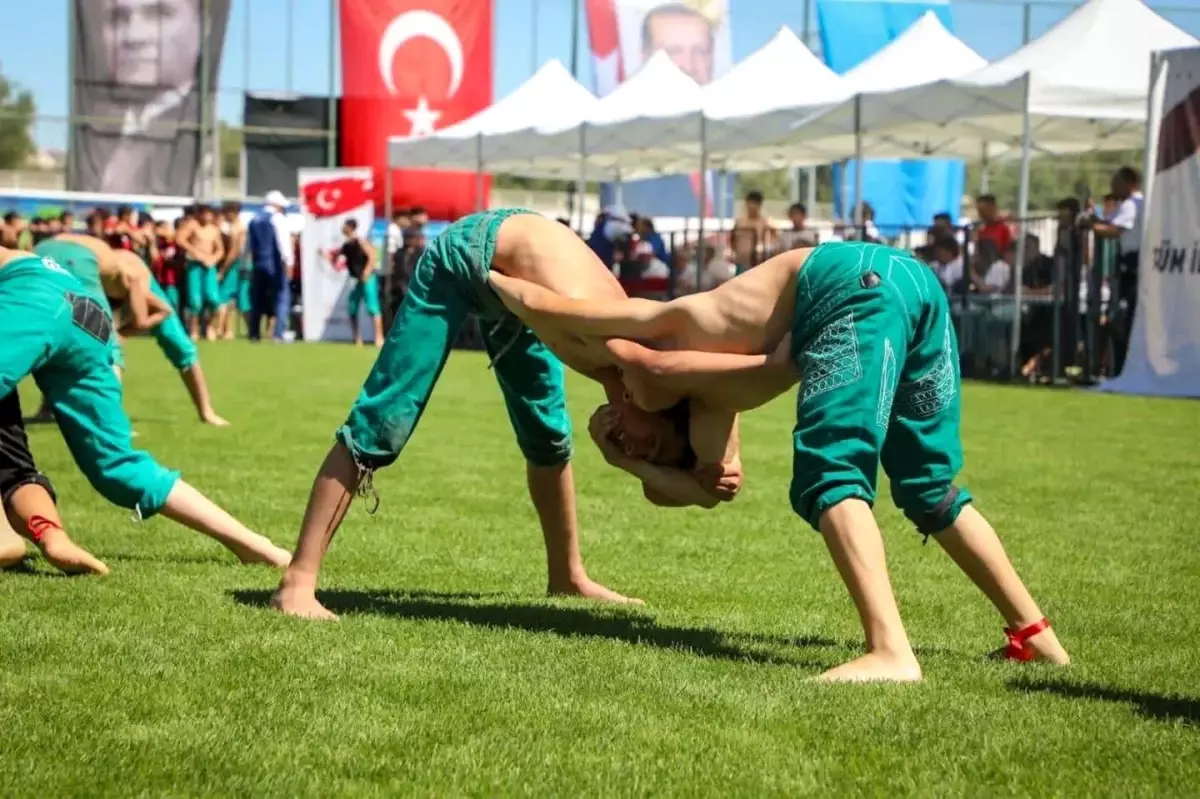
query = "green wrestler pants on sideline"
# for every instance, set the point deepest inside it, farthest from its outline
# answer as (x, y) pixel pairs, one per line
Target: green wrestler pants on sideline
(51, 330)
(363, 292)
(450, 282)
(877, 354)
(203, 288)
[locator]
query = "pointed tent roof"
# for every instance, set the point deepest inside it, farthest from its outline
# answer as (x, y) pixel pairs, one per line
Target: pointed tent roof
(781, 74)
(548, 97)
(658, 90)
(923, 53)
(1095, 62)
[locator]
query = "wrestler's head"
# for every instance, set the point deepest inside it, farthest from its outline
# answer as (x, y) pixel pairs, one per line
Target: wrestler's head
(659, 437)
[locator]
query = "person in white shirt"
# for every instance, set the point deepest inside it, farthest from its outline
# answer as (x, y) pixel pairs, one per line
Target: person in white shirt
(1125, 226)
(949, 268)
(992, 274)
(273, 255)
(395, 236)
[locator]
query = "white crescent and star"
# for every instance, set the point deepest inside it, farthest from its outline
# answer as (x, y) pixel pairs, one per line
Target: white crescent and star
(411, 25)
(324, 203)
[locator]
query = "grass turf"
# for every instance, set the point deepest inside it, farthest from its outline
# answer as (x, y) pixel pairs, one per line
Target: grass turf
(452, 675)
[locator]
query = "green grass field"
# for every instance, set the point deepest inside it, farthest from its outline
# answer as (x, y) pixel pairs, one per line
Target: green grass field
(451, 674)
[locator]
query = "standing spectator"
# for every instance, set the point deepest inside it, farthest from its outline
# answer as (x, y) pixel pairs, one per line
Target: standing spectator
(418, 217)
(1125, 227)
(414, 248)
(273, 261)
(67, 222)
(644, 227)
(799, 236)
(395, 236)
(234, 274)
(10, 230)
(867, 231)
(361, 260)
(992, 227)
(948, 263)
(753, 236)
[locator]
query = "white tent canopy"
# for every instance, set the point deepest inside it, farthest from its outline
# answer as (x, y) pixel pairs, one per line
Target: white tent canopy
(1087, 91)
(924, 53)
(767, 92)
(551, 96)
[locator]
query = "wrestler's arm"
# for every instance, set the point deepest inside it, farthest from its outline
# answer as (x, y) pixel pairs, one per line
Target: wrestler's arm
(539, 306)
(661, 485)
(657, 379)
(147, 310)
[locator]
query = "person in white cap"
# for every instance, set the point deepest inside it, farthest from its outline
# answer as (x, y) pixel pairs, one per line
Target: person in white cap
(271, 252)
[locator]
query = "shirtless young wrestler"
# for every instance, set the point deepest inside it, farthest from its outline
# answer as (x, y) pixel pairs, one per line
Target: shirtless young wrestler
(59, 331)
(234, 275)
(205, 248)
(130, 283)
(870, 336)
(448, 284)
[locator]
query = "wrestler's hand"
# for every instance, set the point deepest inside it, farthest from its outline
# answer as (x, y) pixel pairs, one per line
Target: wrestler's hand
(722, 480)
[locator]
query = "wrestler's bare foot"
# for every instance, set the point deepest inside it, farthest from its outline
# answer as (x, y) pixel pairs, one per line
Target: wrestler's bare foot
(876, 667)
(589, 589)
(261, 550)
(300, 603)
(214, 420)
(1048, 649)
(65, 555)
(11, 552)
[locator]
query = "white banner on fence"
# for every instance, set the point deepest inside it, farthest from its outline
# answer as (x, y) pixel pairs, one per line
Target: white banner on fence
(1164, 351)
(329, 197)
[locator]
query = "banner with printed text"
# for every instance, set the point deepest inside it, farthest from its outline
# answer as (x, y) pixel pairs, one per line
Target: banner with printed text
(1164, 351)
(329, 197)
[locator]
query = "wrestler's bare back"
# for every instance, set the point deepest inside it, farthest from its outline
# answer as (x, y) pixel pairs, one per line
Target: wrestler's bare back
(547, 253)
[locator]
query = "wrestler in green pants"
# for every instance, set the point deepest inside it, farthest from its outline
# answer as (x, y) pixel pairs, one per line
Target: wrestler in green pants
(235, 287)
(54, 330)
(81, 263)
(363, 293)
(203, 288)
(450, 282)
(873, 342)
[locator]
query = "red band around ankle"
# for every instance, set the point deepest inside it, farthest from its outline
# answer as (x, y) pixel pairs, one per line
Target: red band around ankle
(1017, 650)
(39, 526)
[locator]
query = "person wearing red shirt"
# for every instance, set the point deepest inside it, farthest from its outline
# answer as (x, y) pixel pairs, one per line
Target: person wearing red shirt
(992, 227)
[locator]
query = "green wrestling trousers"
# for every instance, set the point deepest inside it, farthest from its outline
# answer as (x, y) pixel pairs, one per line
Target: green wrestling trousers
(171, 337)
(878, 358)
(363, 293)
(54, 332)
(203, 288)
(450, 282)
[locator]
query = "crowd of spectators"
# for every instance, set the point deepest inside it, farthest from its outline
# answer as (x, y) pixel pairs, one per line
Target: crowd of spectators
(1079, 290)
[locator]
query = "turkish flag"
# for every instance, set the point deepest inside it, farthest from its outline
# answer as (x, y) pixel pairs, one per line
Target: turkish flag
(410, 67)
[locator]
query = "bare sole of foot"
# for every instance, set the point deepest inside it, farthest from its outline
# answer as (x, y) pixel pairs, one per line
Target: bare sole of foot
(263, 551)
(301, 607)
(594, 592)
(874, 668)
(72, 559)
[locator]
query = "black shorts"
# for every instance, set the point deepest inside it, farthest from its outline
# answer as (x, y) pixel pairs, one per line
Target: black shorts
(16, 461)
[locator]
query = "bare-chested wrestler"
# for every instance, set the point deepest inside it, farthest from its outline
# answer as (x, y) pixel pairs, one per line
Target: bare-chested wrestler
(448, 284)
(205, 248)
(59, 331)
(871, 338)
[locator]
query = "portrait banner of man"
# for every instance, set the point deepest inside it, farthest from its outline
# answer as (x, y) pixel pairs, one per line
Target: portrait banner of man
(136, 98)
(623, 34)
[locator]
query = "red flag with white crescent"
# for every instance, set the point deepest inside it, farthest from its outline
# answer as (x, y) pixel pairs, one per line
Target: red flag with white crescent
(410, 68)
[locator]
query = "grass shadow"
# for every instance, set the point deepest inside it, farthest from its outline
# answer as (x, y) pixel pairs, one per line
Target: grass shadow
(566, 622)
(216, 559)
(1154, 706)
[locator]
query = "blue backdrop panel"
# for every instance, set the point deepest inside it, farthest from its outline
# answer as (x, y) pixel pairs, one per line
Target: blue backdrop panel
(903, 193)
